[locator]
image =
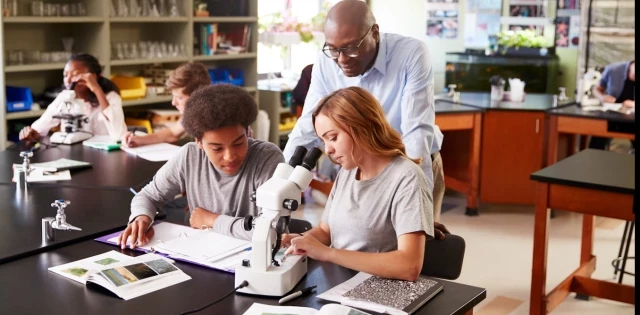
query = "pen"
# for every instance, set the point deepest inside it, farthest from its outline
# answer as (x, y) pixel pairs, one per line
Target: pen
(296, 294)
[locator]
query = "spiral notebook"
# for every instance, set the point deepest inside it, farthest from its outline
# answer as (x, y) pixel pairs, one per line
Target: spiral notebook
(388, 296)
(201, 247)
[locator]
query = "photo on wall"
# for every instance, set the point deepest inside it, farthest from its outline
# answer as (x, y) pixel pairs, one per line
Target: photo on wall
(562, 31)
(526, 11)
(442, 18)
(446, 28)
(569, 4)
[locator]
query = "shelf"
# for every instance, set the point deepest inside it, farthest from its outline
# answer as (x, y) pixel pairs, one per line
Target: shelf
(519, 20)
(25, 114)
(226, 19)
(35, 67)
(148, 100)
(53, 19)
(226, 56)
(613, 31)
(149, 19)
(285, 110)
(128, 62)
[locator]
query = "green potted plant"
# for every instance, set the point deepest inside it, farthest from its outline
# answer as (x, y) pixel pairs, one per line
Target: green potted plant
(523, 43)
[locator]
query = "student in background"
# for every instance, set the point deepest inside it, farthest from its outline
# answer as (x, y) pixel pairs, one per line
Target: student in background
(300, 91)
(617, 85)
(102, 101)
(219, 171)
(379, 213)
(182, 82)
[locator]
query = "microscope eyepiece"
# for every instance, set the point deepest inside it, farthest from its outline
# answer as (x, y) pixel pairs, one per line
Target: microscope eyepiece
(311, 158)
(298, 155)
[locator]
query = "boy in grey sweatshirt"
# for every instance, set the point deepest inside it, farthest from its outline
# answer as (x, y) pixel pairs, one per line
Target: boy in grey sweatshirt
(218, 172)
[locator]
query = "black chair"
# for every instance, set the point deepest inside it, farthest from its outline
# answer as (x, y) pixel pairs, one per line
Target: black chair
(299, 226)
(443, 258)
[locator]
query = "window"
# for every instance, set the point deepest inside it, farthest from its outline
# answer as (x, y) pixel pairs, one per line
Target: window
(296, 56)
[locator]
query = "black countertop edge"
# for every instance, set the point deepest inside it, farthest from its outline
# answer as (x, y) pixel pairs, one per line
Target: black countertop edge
(476, 300)
(61, 244)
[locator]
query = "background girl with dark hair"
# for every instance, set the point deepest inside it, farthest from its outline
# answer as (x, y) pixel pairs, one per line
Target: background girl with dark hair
(102, 101)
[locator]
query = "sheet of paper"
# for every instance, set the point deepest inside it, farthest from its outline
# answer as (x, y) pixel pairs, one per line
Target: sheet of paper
(79, 270)
(39, 174)
(163, 232)
(261, 309)
(154, 152)
(158, 156)
(150, 148)
(205, 245)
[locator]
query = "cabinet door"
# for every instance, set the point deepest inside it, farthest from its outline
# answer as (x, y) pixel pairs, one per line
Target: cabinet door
(512, 149)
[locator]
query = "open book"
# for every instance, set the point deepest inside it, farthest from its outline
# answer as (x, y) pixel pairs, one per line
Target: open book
(384, 295)
(201, 247)
(125, 276)
(153, 152)
(329, 309)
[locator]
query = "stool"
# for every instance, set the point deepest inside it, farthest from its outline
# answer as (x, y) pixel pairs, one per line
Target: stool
(622, 258)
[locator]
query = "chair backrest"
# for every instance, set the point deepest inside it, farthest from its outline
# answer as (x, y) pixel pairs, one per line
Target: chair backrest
(443, 258)
(299, 226)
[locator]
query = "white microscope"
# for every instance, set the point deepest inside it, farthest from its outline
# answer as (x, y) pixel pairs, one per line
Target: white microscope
(589, 81)
(71, 129)
(276, 198)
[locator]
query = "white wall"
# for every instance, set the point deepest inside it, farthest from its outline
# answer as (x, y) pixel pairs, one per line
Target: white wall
(408, 18)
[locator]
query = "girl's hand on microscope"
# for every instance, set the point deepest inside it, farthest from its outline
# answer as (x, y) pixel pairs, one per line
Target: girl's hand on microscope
(286, 239)
(310, 246)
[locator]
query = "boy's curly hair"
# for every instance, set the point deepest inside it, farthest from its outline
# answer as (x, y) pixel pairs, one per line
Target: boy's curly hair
(217, 106)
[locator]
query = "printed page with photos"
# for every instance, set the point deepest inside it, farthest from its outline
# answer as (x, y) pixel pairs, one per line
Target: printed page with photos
(126, 278)
(329, 309)
(383, 295)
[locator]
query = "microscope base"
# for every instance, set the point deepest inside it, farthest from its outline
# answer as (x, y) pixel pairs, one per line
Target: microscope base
(69, 138)
(276, 281)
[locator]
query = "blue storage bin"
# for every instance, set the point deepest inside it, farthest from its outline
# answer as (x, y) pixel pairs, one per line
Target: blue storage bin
(18, 99)
(229, 76)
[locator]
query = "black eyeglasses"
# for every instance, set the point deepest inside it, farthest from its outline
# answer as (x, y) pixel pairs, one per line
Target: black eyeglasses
(351, 51)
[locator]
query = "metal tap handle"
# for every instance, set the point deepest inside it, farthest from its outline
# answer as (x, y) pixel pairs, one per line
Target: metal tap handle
(26, 163)
(60, 204)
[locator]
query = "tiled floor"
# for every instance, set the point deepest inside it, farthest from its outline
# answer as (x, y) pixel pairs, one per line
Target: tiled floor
(499, 252)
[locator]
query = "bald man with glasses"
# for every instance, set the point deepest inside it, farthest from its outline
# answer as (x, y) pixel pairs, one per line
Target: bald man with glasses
(395, 69)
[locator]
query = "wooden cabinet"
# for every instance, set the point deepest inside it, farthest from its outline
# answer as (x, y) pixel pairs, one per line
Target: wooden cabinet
(512, 149)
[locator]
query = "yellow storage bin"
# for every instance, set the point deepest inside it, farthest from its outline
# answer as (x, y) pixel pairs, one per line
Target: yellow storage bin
(142, 123)
(131, 88)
